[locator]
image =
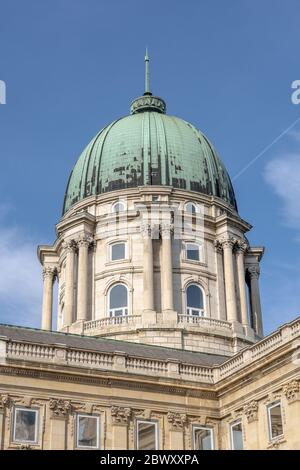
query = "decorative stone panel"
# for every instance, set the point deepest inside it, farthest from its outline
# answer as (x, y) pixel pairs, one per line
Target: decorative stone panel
(60, 408)
(251, 411)
(292, 391)
(120, 415)
(177, 420)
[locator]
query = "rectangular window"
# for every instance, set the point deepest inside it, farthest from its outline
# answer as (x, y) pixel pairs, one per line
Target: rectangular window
(147, 435)
(203, 438)
(192, 251)
(25, 427)
(118, 251)
(237, 436)
(275, 420)
(88, 431)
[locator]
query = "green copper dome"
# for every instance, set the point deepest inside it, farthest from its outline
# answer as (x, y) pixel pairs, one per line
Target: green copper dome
(148, 147)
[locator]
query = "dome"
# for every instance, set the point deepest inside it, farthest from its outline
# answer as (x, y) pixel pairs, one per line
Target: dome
(148, 147)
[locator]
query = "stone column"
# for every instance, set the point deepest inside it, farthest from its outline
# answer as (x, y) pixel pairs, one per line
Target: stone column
(220, 280)
(231, 307)
(240, 252)
(166, 268)
(82, 293)
(69, 283)
(148, 291)
(253, 272)
(49, 273)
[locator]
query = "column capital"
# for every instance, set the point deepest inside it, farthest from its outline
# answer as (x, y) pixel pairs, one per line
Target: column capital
(227, 242)
(84, 240)
(218, 246)
(69, 246)
(241, 246)
(166, 229)
(253, 271)
(49, 272)
(146, 229)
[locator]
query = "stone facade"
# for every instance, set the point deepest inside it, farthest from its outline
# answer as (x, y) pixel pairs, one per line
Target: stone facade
(39, 371)
(155, 271)
(169, 272)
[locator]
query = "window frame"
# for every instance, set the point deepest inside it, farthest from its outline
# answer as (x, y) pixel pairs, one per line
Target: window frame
(200, 252)
(235, 423)
(86, 415)
(210, 429)
(269, 408)
(37, 424)
(125, 251)
(187, 308)
(125, 312)
(115, 204)
(194, 205)
(155, 423)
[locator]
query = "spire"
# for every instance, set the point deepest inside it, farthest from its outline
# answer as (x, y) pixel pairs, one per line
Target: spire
(147, 77)
(147, 102)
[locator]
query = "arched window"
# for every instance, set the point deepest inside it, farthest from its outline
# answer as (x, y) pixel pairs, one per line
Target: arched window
(118, 300)
(191, 208)
(118, 207)
(194, 300)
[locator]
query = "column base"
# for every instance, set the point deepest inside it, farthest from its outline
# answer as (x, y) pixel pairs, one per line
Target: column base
(249, 332)
(149, 317)
(237, 327)
(169, 316)
(77, 327)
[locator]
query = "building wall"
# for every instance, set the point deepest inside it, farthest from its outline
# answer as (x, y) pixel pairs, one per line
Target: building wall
(61, 382)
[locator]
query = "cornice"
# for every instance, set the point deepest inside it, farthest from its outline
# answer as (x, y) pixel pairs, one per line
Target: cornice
(111, 382)
(232, 220)
(78, 218)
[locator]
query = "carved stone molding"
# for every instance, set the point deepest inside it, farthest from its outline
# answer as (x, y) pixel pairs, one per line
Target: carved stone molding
(251, 411)
(276, 444)
(60, 408)
(177, 420)
(120, 414)
(292, 391)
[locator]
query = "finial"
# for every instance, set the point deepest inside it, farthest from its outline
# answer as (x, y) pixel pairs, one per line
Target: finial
(147, 78)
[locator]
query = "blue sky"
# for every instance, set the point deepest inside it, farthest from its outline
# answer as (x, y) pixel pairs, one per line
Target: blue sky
(72, 66)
